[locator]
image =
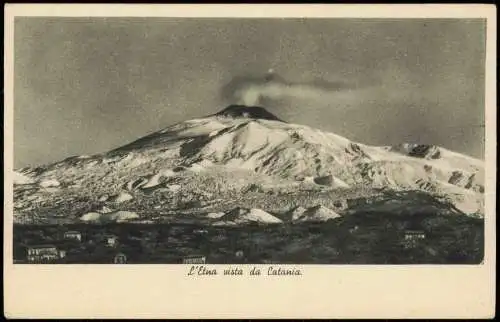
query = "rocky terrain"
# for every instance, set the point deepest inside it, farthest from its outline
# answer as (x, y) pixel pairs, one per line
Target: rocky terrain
(244, 165)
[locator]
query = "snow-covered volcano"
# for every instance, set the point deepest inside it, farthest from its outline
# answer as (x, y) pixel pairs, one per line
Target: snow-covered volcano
(201, 160)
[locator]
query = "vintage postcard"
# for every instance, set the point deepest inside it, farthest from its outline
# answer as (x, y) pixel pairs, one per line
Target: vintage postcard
(250, 161)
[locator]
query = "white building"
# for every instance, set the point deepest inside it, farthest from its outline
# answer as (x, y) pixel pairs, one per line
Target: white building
(73, 235)
(412, 237)
(110, 240)
(194, 259)
(43, 253)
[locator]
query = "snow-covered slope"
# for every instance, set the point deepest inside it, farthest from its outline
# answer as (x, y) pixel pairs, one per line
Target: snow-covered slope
(243, 216)
(291, 150)
(117, 216)
(316, 213)
(202, 159)
(20, 179)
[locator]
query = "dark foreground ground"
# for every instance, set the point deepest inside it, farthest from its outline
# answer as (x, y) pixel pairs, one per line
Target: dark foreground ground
(367, 238)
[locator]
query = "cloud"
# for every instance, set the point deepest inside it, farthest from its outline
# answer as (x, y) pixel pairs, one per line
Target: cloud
(248, 90)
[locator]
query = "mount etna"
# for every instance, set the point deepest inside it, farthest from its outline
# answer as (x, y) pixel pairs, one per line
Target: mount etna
(253, 184)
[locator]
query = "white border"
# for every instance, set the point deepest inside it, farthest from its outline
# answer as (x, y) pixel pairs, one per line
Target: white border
(164, 291)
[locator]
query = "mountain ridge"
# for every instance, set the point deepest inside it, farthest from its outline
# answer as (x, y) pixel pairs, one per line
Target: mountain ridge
(238, 147)
(244, 111)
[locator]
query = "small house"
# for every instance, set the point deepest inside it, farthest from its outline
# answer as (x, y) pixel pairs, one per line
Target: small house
(43, 253)
(120, 258)
(194, 259)
(110, 240)
(75, 235)
(412, 237)
(414, 234)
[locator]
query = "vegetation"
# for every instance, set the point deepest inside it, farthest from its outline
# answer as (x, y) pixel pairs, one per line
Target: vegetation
(360, 238)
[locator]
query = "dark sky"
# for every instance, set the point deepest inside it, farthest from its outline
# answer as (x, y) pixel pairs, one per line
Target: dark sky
(87, 85)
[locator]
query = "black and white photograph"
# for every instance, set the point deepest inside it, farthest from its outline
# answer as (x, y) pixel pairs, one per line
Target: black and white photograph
(249, 161)
(164, 140)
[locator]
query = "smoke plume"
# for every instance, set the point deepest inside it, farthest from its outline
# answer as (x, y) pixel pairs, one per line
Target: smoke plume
(250, 91)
